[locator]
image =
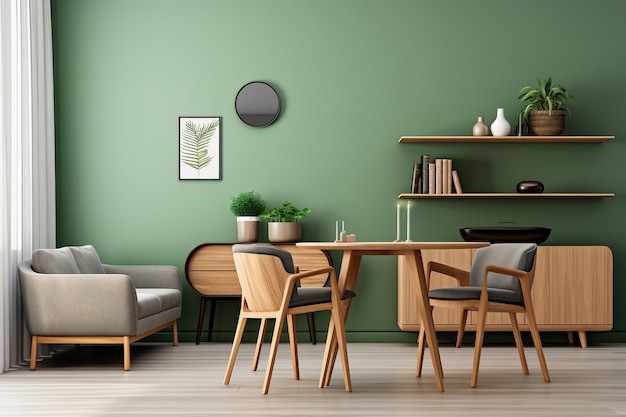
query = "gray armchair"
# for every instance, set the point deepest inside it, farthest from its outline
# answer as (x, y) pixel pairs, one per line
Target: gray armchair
(70, 297)
(500, 280)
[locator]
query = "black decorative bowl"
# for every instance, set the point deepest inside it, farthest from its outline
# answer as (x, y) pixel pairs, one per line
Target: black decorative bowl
(505, 234)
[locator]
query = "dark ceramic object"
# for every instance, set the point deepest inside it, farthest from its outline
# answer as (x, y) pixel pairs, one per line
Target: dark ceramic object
(530, 187)
(505, 234)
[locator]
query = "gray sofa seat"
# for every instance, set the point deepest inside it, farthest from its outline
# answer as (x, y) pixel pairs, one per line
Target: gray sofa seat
(70, 296)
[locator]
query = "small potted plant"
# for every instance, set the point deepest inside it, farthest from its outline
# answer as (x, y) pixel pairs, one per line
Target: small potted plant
(545, 110)
(247, 206)
(284, 222)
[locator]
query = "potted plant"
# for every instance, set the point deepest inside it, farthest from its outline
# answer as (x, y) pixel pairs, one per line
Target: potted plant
(247, 206)
(284, 222)
(545, 110)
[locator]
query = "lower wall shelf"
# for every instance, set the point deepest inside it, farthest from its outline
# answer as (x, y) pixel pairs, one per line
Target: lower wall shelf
(508, 195)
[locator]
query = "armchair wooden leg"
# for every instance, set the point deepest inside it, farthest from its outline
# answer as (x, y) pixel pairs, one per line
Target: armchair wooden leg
(340, 332)
(293, 342)
(480, 335)
(241, 325)
(278, 328)
(518, 342)
(461, 331)
(33, 353)
(534, 332)
(175, 333)
(259, 344)
(127, 353)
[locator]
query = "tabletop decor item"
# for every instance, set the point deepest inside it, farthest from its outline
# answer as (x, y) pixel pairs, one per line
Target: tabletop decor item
(545, 109)
(284, 222)
(530, 187)
(480, 128)
(500, 126)
(247, 206)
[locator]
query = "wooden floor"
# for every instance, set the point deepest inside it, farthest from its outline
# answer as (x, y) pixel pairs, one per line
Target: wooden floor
(187, 381)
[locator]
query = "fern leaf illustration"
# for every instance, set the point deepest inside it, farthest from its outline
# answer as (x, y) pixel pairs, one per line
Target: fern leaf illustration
(195, 142)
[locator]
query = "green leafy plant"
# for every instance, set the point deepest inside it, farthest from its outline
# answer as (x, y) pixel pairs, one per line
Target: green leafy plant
(247, 203)
(195, 143)
(285, 213)
(546, 96)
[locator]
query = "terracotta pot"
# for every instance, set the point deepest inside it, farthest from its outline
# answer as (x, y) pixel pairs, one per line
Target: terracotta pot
(542, 124)
(283, 232)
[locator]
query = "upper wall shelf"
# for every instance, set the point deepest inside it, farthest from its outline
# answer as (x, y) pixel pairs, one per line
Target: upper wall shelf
(503, 139)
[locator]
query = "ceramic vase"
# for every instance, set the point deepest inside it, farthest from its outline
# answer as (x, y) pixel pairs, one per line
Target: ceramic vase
(500, 126)
(480, 128)
(248, 229)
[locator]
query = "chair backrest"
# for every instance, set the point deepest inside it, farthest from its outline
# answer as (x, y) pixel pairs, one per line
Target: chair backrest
(520, 256)
(262, 270)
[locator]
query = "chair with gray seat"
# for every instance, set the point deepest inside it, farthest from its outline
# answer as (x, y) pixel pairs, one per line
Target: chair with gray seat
(500, 280)
(270, 290)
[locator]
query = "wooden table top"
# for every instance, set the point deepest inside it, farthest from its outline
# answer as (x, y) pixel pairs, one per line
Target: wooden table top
(392, 246)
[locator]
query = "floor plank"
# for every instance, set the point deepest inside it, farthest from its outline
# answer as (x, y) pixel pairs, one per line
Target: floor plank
(187, 381)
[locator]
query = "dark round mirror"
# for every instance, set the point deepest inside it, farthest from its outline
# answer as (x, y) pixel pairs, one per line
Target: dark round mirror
(257, 104)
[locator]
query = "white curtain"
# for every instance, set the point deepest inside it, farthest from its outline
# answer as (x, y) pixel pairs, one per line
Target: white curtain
(27, 191)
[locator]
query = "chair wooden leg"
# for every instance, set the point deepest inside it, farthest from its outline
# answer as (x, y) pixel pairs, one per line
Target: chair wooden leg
(480, 335)
(127, 353)
(461, 331)
(259, 344)
(293, 343)
(278, 328)
(329, 352)
(33, 353)
(241, 325)
(518, 342)
(312, 336)
(421, 347)
(534, 332)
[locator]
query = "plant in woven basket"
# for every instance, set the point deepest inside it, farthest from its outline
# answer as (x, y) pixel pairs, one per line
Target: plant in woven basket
(545, 107)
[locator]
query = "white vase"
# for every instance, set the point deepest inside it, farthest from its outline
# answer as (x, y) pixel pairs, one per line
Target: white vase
(500, 126)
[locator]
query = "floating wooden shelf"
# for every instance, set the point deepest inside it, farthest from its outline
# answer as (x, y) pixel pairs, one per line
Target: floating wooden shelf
(508, 195)
(504, 139)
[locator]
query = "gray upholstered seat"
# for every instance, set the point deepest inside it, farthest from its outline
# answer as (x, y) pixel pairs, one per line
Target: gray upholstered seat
(500, 280)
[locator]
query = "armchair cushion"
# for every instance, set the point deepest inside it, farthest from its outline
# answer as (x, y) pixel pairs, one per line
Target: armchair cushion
(54, 261)
(87, 259)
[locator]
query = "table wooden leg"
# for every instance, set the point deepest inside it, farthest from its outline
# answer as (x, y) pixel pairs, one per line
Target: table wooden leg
(350, 263)
(417, 276)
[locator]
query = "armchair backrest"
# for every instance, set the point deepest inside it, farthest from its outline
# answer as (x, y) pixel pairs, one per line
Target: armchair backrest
(262, 270)
(520, 256)
(67, 260)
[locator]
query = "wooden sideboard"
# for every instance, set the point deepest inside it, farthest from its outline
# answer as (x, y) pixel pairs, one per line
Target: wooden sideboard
(572, 292)
(210, 271)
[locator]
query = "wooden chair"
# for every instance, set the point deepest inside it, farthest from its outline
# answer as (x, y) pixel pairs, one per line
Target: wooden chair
(270, 290)
(500, 280)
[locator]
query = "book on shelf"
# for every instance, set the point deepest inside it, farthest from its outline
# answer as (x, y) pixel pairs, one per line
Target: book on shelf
(435, 176)
(457, 182)
(425, 160)
(415, 180)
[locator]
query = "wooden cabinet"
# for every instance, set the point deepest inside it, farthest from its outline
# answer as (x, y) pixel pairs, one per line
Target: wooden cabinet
(572, 291)
(505, 139)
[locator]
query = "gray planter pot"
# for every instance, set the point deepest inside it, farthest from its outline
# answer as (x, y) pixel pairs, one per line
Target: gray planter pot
(248, 229)
(283, 232)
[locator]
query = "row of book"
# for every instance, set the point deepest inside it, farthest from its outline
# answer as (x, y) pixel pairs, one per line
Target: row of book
(435, 176)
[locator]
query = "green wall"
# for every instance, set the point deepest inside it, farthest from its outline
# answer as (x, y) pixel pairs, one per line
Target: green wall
(353, 76)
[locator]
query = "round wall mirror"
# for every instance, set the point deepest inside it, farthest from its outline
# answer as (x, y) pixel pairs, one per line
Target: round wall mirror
(257, 104)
